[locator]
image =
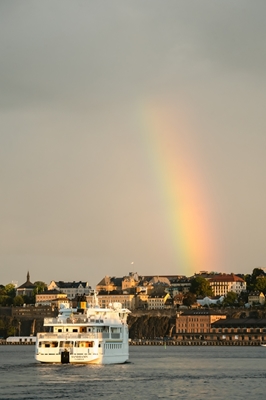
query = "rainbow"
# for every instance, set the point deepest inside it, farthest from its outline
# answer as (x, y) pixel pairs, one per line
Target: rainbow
(170, 144)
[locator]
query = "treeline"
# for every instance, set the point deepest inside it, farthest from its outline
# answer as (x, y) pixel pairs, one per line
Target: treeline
(8, 296)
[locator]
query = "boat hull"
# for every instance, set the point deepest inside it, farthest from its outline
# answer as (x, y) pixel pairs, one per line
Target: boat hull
(78, 359)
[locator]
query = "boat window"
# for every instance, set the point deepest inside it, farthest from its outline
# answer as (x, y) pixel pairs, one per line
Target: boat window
(48, 344)
(75, 330)
(66, 344)
(84, 344)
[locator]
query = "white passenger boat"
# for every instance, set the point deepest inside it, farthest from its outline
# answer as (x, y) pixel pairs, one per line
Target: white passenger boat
(88, 334)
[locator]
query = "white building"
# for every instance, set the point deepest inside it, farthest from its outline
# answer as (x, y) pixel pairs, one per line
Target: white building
(157, 302)
(71, 289)
(222, 284)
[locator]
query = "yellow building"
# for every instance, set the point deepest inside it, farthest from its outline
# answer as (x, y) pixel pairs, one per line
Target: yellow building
(51, 297)
(109, 284)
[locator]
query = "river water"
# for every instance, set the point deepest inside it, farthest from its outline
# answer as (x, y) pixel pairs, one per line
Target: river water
(154, 372)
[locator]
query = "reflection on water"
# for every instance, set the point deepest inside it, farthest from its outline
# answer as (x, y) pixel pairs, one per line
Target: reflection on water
(152, 373)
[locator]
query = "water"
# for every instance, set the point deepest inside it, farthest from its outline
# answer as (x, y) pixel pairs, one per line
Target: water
(153, 373)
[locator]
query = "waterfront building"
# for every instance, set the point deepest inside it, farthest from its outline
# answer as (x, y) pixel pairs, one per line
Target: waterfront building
(241, 329)
(224, 283)
(197, 321)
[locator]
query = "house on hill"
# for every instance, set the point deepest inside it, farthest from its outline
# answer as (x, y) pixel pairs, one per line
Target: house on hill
(71, 289)
(224, 283)
(27, 288)
(256, 298)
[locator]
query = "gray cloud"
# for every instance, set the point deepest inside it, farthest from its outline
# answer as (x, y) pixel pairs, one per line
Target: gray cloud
(77, 182)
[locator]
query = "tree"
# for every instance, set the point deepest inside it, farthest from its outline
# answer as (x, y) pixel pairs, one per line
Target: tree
(260, 284)
(201, 287)
(10, 290)
(5, 300)
(230, 299)
(189, 299)
(39, 287)
(18, 300)
(251, 280)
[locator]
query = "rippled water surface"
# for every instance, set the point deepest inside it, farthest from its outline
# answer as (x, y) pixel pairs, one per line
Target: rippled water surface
(152, 373)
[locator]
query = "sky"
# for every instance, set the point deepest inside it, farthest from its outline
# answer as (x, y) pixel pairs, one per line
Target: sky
(132, 138)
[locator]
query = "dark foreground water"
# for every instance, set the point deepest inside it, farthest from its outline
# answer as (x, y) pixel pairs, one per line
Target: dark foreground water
(153, 373)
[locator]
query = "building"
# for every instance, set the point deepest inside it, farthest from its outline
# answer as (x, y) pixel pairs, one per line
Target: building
(256, 298)
(71, 289)
(241, 329)
(223, 283)
(27, 288)
(51, 298)
(157, 302)
(104, 299)
(197, 321)
(142, 300)
(130, 281)
(109, 284)
(179, 285)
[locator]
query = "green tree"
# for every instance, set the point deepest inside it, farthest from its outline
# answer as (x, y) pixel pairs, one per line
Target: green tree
(251, 280)
(200, 287)
(39, 287)
(5, 300)
(18, 300)
(10, 290)
(260, 284)
(230, 299)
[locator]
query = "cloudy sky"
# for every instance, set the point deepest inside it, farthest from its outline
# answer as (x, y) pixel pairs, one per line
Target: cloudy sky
(131, 132)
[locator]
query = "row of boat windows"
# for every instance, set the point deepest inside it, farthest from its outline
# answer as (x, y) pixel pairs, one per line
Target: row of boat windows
(87, 330)
(112, 346)
(66, 344)
(69, 344)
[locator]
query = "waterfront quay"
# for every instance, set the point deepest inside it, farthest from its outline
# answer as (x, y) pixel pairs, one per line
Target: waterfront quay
(5, 343)
(195, 343)
(142, 342)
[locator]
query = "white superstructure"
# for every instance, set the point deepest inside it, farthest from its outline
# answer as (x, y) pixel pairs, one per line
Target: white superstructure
(88, 334)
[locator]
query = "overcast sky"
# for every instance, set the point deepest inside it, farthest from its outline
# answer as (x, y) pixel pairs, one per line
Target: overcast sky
(131, 132)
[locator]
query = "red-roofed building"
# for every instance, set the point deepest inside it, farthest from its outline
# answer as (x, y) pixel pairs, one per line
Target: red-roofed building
(222, 284)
